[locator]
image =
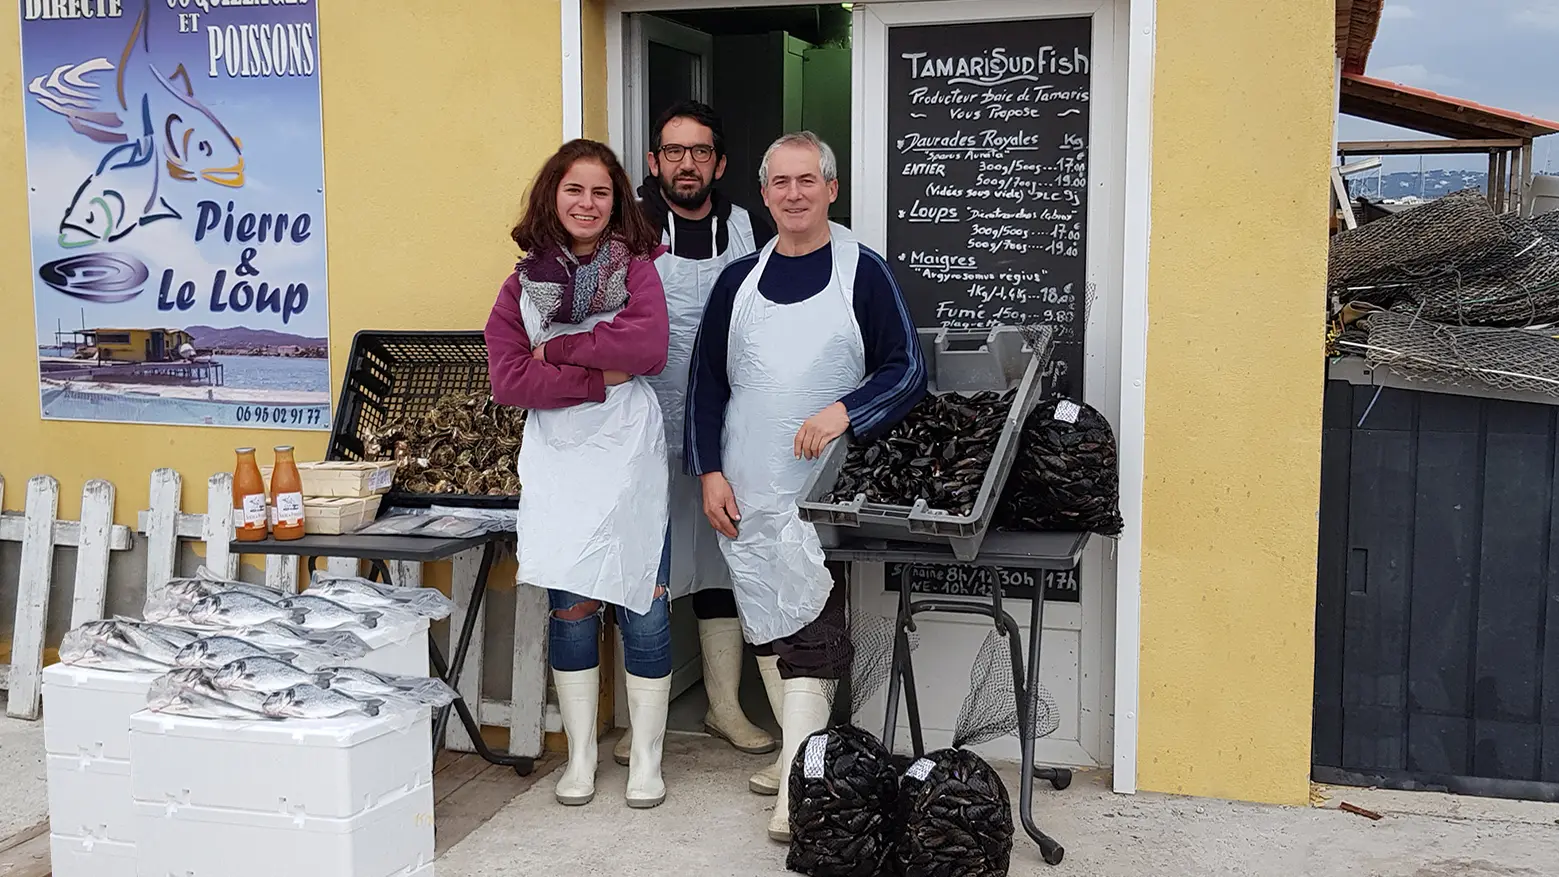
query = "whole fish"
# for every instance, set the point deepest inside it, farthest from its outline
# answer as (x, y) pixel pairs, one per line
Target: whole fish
(214, 652)
(177, 636)
(261, 674)
(193, 589)
(364, 594)
(199, 706)
(190, 691)
(234, 609)
(79, 649)
(338, 644)
(358, 682)
(149, 645)
(307, 701)
(131, 638)
(120, 195)
(318, 613)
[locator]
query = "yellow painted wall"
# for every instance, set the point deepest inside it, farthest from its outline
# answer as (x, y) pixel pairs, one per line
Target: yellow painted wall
(1242, 131)
(433, 124)
(592, 57)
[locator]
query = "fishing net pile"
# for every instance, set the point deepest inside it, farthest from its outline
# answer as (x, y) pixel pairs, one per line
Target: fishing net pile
(843, 805)
(1067, 474)
(1452, 292)
(227, 649)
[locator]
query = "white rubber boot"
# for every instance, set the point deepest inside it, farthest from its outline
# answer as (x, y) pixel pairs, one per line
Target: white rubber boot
(647, 703)
(579, 694)
(623, 748)
(806, 712)
(766, 781)
(721, 639)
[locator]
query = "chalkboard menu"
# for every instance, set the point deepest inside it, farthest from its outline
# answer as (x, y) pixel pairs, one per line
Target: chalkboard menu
(1060, 586)
(987, 207)
(988, 177)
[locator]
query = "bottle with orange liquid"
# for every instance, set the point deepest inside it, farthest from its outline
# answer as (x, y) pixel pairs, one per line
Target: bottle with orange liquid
(249, 509)
(286, 497)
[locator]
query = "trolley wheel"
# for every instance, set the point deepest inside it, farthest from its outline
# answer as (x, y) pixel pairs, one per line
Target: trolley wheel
(1061, 780)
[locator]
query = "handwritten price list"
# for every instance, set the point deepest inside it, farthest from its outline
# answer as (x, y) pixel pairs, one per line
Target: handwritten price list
(978, 581)
(988, 177)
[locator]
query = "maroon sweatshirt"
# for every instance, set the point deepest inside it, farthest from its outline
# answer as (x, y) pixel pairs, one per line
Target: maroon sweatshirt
(634, 341)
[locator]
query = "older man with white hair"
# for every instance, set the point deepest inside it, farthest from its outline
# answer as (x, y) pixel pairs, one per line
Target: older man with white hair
(800, 342)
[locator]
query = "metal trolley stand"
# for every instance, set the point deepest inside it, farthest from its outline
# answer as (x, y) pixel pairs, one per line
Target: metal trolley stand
(1037, 551)
(418, 549)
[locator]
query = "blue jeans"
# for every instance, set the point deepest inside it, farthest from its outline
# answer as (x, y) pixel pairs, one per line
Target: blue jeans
(575, 644)
(664, 576)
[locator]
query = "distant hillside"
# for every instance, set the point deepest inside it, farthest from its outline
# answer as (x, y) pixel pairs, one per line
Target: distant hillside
(209, 337)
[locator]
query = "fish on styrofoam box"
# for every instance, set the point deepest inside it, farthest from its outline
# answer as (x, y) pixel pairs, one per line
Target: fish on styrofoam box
(87, 710)
(326, 768)
(392, 839)
(76, 856)
(90, 797)
(400, 649)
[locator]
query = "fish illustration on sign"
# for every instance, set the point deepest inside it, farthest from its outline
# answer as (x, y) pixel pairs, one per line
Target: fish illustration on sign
(196, 145)
(120, 196)
(66, 91)
(202, 137)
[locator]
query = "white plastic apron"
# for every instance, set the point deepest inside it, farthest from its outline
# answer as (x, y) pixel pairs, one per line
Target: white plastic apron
(786, 363)
(592, 516)
(696, 562)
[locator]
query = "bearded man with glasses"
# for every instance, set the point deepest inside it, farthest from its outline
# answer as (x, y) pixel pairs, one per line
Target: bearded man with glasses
(703, 232)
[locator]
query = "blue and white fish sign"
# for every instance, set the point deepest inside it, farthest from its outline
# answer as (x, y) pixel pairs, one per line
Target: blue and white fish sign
(176, 211)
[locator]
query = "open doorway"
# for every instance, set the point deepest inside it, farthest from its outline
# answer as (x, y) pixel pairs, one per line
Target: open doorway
(766, 71)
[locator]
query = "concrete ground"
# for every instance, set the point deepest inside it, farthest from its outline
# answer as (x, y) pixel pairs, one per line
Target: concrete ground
(24, 800)
(710, 824)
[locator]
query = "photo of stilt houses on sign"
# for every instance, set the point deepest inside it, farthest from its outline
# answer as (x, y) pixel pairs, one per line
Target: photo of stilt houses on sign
(196, 375)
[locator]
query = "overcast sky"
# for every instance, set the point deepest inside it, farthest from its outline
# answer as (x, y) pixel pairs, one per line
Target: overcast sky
(1496, 52)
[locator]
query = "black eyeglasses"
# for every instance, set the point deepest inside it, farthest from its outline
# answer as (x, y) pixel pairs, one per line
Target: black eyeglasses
(675, 151)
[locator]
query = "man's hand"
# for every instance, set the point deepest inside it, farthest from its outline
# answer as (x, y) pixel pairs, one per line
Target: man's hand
(539, 352)
(613, 377)
(820, 429)
(720, 504)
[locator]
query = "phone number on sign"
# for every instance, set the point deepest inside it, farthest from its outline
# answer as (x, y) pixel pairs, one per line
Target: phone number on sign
(279, 416)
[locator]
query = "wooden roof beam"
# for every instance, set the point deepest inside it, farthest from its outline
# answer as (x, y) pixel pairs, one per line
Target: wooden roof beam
(1426, 147)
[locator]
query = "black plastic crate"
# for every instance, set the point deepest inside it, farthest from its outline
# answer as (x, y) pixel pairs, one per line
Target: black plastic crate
(390, 374)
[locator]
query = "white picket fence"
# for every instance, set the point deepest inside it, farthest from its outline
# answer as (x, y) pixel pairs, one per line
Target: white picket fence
(165, 525)
(40, 531)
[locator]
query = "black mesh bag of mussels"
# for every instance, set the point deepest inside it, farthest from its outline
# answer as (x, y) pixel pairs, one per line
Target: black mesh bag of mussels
(1066, 475)
(955, 818)
(843, 805)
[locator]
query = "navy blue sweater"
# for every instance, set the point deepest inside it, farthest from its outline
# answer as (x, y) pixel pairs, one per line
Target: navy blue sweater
(895, 367)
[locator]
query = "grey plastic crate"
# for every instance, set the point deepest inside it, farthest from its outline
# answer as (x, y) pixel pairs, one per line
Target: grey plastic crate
(957, 361)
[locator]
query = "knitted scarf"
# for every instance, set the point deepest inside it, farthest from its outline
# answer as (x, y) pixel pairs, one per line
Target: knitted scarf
(566, 291)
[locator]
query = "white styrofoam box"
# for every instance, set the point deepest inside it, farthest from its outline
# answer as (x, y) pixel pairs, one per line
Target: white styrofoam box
(87, 711)
(401, 649)
(90, 797)
(393, 839)
(332, 768)
(72, 856)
